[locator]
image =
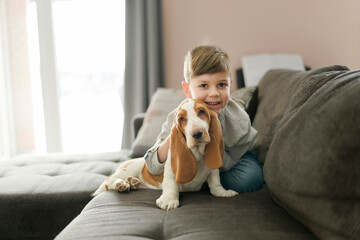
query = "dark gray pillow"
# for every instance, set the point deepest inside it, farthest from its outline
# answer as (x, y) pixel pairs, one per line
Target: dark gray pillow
(275, 90)
(313, 164)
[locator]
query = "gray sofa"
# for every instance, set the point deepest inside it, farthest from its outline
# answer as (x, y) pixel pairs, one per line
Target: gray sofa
(310, 148)
(40, 195)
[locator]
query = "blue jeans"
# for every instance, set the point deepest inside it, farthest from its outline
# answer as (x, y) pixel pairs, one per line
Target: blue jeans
(245, 176)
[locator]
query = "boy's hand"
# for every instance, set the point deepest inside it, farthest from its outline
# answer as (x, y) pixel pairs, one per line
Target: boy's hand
(163, 150)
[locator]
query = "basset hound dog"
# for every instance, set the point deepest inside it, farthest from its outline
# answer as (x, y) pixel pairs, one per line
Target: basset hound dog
(194, 157)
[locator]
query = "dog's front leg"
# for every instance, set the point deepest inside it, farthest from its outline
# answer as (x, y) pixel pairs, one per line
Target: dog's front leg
(215, 186)
(169, 198)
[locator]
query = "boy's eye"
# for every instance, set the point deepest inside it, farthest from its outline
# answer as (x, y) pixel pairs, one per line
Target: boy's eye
(222, 85)
(203, 85)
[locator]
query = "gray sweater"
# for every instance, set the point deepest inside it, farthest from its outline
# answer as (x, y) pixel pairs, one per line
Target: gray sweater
(239, 137)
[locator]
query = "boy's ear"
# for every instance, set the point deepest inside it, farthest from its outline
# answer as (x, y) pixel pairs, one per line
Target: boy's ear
(186, 89)
(231, 84)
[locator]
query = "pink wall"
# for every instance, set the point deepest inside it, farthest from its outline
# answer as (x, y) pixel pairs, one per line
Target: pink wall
(323, 32)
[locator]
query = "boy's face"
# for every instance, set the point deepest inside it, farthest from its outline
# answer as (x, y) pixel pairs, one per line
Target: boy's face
(213, 89)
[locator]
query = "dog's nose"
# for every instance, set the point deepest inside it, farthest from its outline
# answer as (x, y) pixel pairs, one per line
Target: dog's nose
(197, 134)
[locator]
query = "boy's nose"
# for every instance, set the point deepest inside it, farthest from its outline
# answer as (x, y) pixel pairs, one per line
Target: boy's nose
(214, 92)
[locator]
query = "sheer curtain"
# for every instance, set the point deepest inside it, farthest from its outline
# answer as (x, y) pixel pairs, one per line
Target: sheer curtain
(144, 65)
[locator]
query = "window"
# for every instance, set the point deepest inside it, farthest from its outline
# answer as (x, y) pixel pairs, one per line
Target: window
(89, 43)
(76, 65)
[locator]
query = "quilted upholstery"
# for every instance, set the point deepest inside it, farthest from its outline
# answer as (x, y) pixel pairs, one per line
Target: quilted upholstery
(40, 195)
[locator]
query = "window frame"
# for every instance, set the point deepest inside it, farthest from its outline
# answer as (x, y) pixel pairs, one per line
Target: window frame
(48, 76)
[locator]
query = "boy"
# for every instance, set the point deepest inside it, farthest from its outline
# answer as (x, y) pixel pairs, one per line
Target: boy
(207, 77)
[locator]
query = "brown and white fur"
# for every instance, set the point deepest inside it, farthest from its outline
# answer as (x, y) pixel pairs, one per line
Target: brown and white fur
(194, 157)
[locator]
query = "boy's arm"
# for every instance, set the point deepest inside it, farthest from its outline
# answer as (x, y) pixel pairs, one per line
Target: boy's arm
(163, 150)
(156, 156)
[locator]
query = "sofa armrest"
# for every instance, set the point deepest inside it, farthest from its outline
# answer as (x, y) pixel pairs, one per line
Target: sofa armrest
(137, 121)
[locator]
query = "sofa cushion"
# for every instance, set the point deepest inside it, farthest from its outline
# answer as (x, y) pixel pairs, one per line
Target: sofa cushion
(313, 163)
(40, 195)
(275, 90)
(134, 215)
(162, 103)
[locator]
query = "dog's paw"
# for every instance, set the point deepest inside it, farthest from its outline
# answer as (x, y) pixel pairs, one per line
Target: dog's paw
(122, 186)
(134, 182)
(230, 193)
(166, 203)
(224, 193)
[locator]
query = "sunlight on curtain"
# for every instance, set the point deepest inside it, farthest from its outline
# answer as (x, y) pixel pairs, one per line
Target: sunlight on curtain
(16, 115)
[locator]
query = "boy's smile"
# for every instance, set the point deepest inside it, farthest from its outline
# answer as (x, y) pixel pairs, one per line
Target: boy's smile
(213, 89)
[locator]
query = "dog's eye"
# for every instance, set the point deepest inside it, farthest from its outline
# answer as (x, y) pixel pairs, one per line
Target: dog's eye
(182, 119)
(201, 112)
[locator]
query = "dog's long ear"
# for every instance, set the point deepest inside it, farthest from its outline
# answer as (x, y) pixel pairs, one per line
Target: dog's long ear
(215, 148)
(183, 163)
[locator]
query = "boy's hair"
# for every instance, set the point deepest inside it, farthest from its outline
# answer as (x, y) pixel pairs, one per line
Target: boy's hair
(205, 59)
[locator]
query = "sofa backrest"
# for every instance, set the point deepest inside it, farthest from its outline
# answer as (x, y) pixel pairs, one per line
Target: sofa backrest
(313, 162)
(275, 91)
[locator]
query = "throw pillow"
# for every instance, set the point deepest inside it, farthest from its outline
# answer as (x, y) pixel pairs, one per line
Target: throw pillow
(313, 163)
(162, 103)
